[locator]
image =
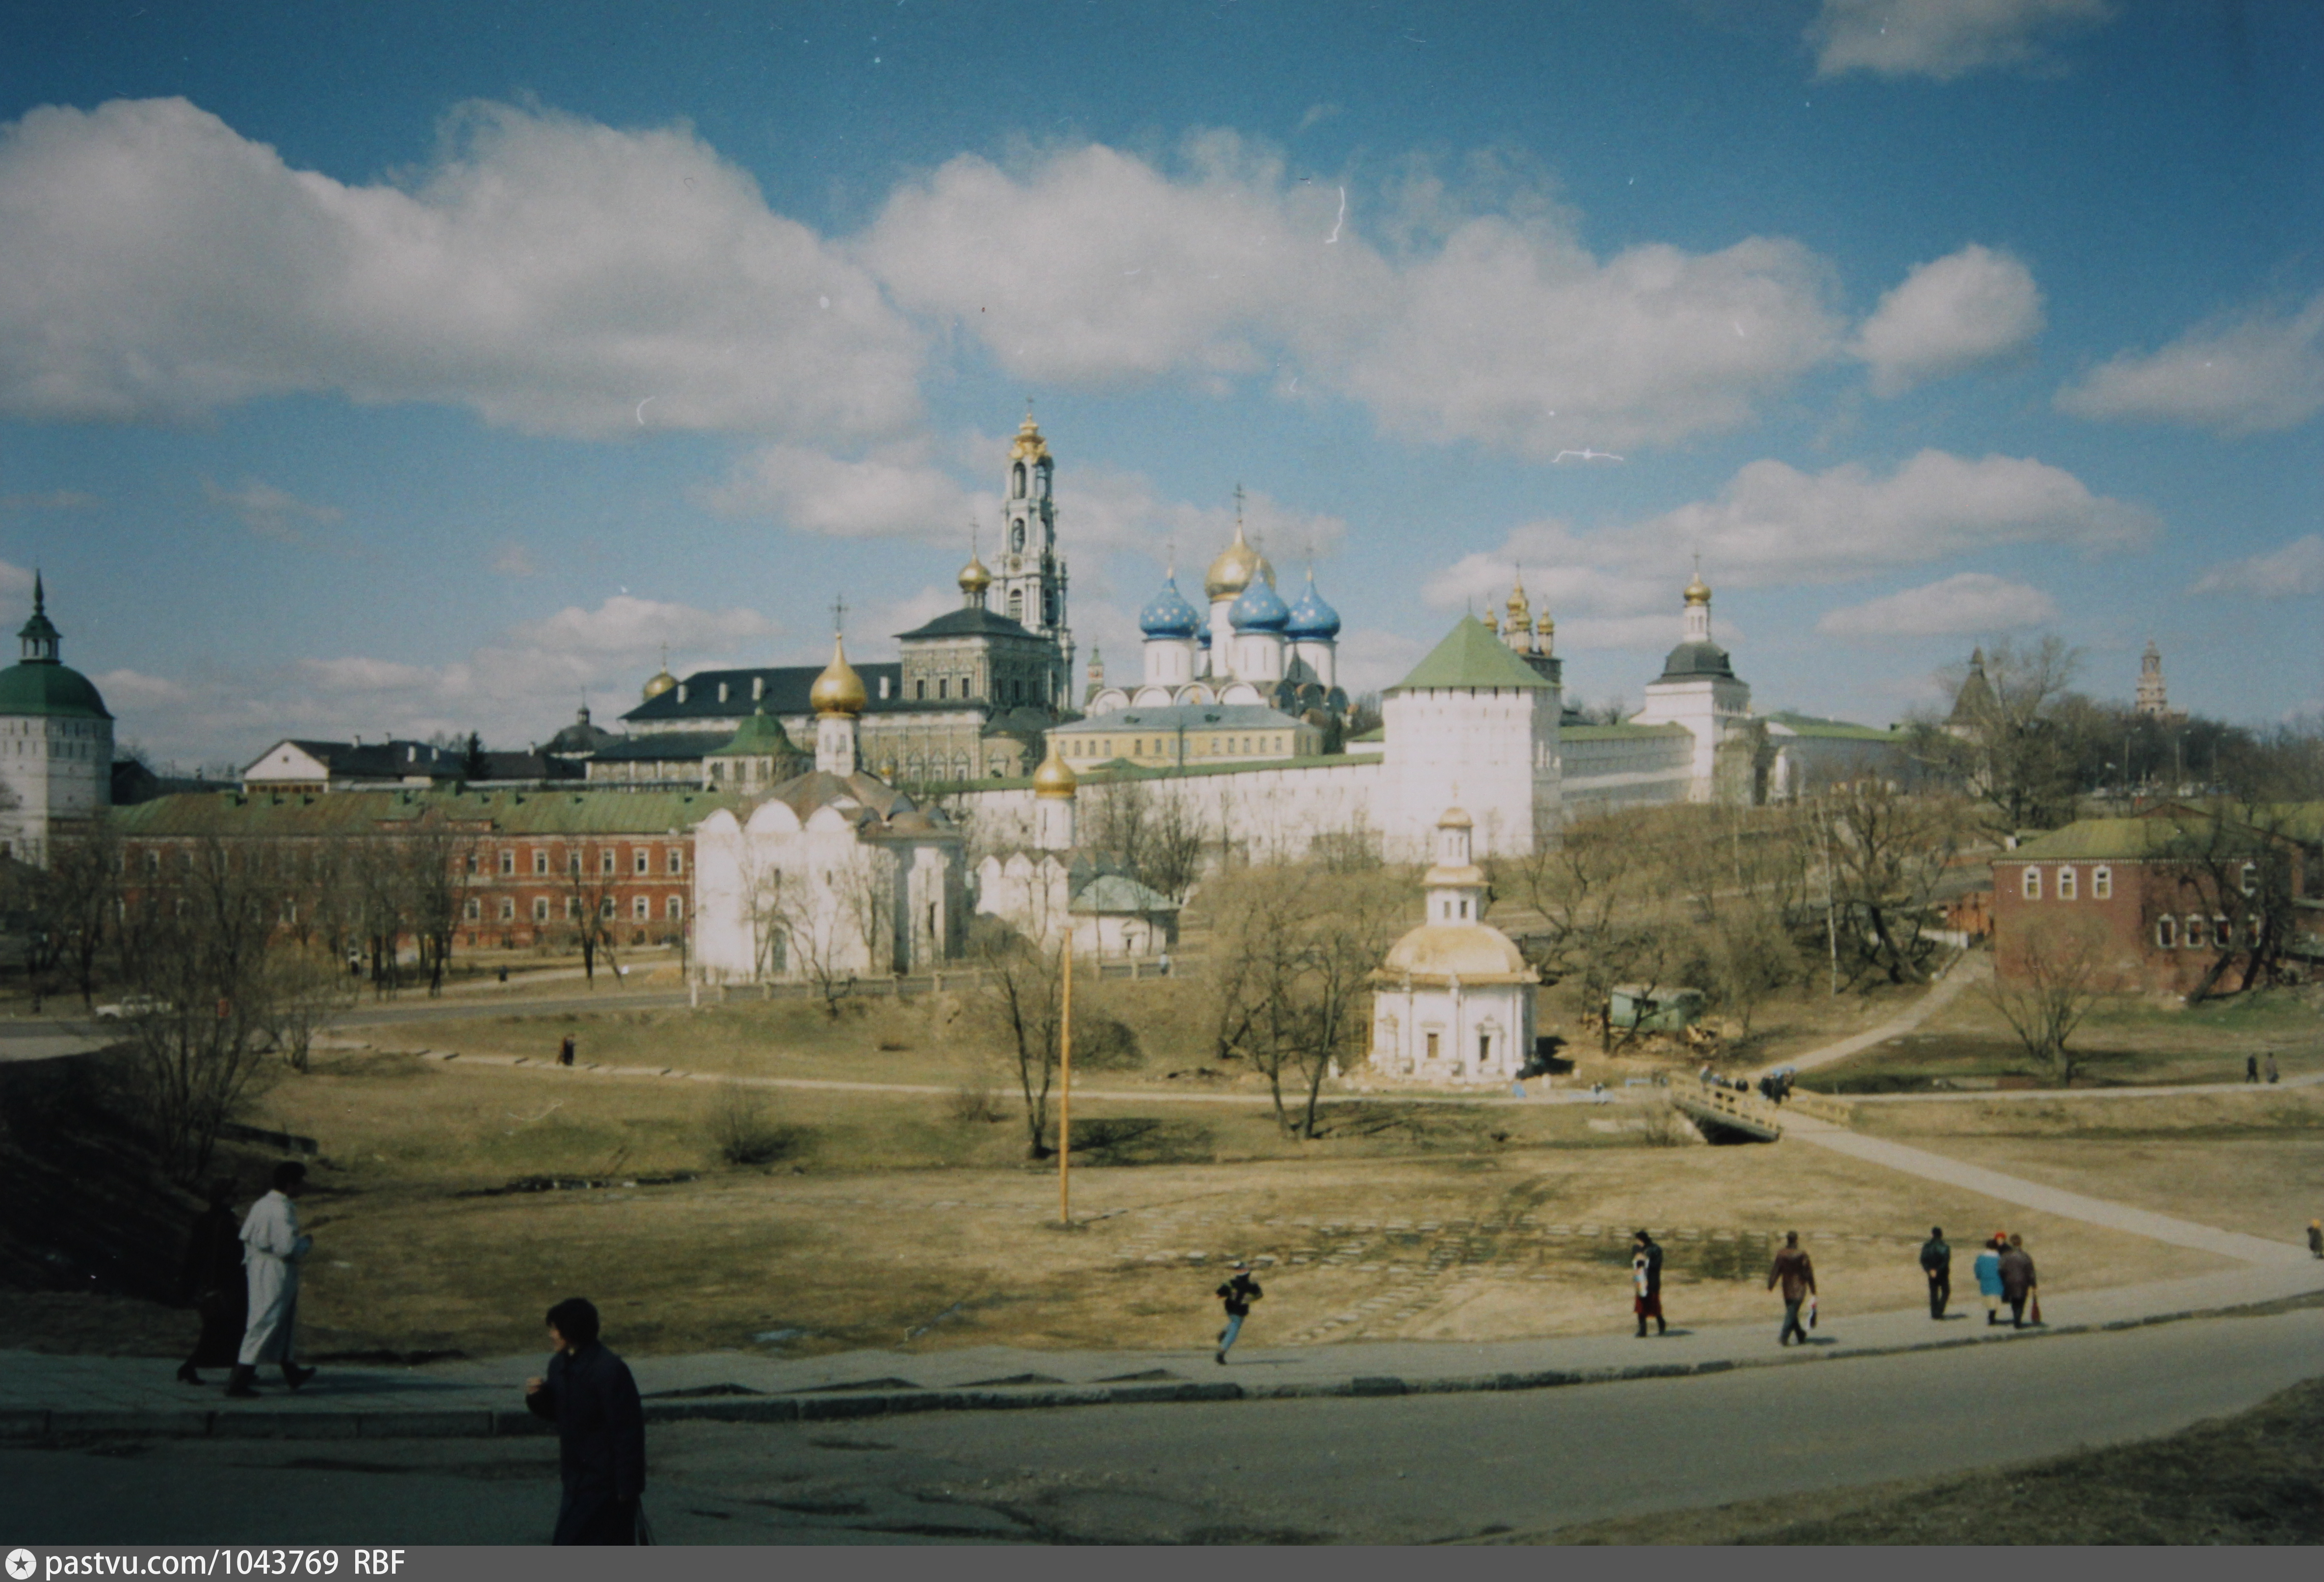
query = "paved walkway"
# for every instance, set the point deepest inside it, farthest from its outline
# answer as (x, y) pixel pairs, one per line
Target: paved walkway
(2029, 1095)
(2026, 1194)
(1967, 969)
(42, 1395)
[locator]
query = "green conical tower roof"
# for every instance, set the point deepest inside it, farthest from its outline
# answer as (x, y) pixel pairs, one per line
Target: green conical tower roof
(1471, 656)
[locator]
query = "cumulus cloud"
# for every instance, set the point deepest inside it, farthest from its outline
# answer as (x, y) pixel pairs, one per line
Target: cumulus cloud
(894, 490)
(1773, 522)
(1618, 585)
(268, 512)
(2251, 373)
(1945, 38)
(14, 578)
(1971, 603)
(1111, 509)
(2295, 570)
(1092, 266)
(1966, 307)
(627, 625)
(127, 688)
(548, 272)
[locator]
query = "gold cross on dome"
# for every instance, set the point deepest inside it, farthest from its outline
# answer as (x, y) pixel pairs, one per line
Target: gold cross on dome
(839, 615)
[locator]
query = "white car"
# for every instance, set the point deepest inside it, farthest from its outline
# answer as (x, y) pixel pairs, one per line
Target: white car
(132, 1005)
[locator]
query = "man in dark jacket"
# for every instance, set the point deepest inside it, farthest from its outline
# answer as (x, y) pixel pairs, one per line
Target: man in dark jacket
(2017, 1280)
(601, 1429)
(1937, 1263)
(1646, 1278)
(212, 1279)
(1796, 1274)
(1238, 1293)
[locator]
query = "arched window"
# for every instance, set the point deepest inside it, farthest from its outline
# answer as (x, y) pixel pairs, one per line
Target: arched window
(2248, 881)
(2102, 884)
(2032, 889)
(2192, 932)
(1016, 603)
(1043, 474)
(2166, 932)
(1017, 535)
(2069, 884)
(1016, 480)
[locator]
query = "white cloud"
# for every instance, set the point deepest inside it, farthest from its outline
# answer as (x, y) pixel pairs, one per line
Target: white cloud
(2293, 571)
(14, 578)
(1945, 38)
(1964, 308)
(1774, 524)
(515, 560)
(1094, 267)
(895, 491)
(2252, 373)
(1619, 585)
(551, 273)
(133, 689)
(1971, 603)
(627, 625)
(268, 512)
(1373, 661)
(879, 626)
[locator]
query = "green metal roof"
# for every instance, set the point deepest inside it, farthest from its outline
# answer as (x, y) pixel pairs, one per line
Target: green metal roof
(1471, 656)
(45, 687)
(509, 813)
(1115, 893)
(1619, 732)
(1808, 725)
(762, 736)
(2127, 840)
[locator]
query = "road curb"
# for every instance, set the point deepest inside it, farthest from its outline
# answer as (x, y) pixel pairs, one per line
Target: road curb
(22, 1425)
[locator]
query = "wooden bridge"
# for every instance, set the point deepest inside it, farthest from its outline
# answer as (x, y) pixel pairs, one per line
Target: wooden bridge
(1722, 1109)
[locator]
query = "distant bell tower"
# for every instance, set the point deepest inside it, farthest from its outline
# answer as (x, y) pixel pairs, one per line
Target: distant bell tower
(1030, 587)
(2153, 696)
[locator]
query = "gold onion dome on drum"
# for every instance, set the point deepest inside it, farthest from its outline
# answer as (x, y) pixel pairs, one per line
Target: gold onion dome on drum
(973, 577)
(1029, 447)
(661, 681)
(1698, 592)
(1054, 777)
(1235, 567)
(839, 690)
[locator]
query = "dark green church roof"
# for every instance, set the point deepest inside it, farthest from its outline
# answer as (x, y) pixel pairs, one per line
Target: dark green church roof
(46, 687)
(1689, 660)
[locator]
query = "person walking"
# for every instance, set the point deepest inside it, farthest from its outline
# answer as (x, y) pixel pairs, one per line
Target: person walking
(2017, 1282)
(1937, 1263)
(565, 1051)
(2251, 1068)
(601, 1429)
(2316, 1238)
(212, 1281)
(1646, 1280)
(273, 1252)
(1988, 1270)
(1795, 1273)
(2274, 1074)
(1239, 1293)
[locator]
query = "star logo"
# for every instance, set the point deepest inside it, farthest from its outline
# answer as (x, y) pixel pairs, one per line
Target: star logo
(20, 1564)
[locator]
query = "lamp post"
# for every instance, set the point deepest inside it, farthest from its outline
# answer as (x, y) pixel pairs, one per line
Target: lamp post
(1065, 1100)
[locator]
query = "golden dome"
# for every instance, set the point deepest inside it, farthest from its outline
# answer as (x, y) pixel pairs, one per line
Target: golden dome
(662, 682)
(1520, 611)
(1029, 447)
(1491, 625)
(1456, 818)
(1054, 777)
(1698, 592)
(973, 577)
(1546, 626)
(1232, 571)
(1473, 952)
(839, 690)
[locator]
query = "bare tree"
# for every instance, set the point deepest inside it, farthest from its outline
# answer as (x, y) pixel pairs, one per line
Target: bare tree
(592, 895)
(2227, 870)
(74, 903)
(434, 859)
(2047, 982)
(1019, 980)
(838, 924)
(2010, 742)
(1174, 846)
(196, 945)
(306, 992)
(1597, 890)
(1885, 852)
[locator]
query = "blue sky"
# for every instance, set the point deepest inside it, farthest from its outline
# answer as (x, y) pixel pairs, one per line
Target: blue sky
(371, 370)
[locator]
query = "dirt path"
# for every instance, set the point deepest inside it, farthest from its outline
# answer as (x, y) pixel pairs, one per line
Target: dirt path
(1965, 970)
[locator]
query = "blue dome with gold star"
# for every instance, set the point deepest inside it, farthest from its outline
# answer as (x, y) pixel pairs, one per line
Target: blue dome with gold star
(1169, 615)
(1311, 618)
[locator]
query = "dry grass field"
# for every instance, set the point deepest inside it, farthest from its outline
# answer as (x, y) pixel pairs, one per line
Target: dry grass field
(888, 1221)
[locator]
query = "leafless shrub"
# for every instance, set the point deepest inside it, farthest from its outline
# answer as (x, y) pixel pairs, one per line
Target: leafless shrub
(742, 1127)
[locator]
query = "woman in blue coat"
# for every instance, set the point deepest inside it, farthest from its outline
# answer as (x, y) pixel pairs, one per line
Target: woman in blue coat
(1988, 1276)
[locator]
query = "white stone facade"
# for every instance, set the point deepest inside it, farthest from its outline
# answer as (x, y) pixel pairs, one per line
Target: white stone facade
(1454, 1001)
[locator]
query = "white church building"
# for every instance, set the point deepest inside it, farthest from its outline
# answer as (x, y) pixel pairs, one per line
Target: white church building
(1452, 1001)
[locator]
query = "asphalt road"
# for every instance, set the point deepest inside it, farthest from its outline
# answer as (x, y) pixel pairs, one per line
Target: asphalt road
(1409, 1469)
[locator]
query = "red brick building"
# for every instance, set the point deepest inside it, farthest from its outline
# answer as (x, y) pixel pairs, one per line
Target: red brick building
(2165, 898)
(526, 866)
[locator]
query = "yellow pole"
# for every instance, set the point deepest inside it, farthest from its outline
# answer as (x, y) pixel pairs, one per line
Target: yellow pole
(1065, 1103)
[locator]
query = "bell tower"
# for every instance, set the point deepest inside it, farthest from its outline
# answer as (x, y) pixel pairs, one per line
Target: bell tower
(1031, 584)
